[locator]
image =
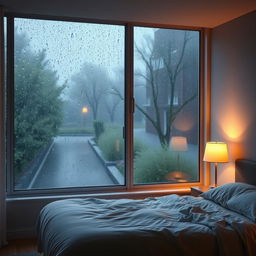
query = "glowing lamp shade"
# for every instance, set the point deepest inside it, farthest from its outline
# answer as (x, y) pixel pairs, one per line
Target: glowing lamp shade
(179, 143)
(216, 152)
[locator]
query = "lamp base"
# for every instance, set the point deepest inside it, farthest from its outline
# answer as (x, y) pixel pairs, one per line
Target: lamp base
(216, 174)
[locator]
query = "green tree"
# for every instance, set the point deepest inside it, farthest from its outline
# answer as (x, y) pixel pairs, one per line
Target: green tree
(37, 102)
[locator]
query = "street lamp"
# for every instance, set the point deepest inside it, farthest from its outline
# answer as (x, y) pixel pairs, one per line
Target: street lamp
(84, 112)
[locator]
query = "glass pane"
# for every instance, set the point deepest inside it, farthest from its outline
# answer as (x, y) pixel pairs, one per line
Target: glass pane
(69, 109)
(166, 120)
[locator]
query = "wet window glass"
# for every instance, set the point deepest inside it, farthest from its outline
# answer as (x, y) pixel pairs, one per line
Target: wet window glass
(68, 104)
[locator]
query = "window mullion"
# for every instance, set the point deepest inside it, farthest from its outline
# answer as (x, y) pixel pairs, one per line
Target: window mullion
(129, 105)
(10, 104)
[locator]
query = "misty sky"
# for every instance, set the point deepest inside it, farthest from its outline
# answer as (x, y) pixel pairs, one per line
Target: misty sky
(69, 44)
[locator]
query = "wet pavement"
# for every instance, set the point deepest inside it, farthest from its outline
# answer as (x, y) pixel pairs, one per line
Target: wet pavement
(71, 163)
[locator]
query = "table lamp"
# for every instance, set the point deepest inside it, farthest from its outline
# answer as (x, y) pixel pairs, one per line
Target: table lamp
(179, 144)
(216, 152)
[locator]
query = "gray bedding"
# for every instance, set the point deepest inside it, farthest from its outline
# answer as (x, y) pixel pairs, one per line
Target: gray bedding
(169, 225)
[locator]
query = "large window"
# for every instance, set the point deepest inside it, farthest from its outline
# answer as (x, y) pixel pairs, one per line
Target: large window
(68, 99)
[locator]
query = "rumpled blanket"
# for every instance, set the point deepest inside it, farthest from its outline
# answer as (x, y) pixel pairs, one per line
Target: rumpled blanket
(164, 226)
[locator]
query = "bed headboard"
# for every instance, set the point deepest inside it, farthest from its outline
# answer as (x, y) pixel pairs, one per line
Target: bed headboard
(246, 171)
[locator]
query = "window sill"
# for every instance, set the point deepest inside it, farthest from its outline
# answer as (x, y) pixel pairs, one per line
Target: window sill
(110, 195)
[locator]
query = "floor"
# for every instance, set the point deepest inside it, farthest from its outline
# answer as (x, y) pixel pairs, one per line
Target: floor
(19, 246)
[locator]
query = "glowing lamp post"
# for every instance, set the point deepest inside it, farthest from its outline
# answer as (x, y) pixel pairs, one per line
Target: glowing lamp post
(84, 112)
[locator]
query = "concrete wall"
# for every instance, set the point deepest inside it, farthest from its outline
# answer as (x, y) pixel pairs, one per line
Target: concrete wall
(233, 110)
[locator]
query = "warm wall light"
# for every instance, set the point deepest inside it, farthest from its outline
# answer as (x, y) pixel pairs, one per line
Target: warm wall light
(179, 143)
(235, 117)
(184, 122)
(216, 152)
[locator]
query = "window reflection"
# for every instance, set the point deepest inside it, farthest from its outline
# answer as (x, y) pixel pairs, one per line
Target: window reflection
(166, 93)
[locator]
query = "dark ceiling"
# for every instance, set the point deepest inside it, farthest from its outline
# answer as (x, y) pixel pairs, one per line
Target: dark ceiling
(198, 13)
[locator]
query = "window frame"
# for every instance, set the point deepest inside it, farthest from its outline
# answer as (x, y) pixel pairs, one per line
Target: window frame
(128, 186)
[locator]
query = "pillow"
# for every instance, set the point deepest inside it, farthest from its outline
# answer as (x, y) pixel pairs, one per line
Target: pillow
(244, 204)
(238, 197)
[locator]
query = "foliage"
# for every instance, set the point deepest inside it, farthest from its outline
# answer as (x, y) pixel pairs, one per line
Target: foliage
(37, 109)
(155, 166)
(138, 147)
(111, 143)
(98, 129)
(74, 130)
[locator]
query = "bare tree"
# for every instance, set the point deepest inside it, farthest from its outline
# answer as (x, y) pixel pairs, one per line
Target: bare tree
(164, 58)
(111, 103)
(90, 85)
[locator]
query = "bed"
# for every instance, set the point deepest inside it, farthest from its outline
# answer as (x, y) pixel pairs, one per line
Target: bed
(222, 222)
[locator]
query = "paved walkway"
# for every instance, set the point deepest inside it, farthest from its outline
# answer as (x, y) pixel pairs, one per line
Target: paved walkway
(72, 163)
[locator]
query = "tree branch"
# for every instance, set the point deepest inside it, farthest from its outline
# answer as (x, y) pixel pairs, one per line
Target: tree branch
(185, 103)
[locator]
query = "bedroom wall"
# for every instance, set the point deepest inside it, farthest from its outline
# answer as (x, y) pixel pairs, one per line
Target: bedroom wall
(233, 95)
(22, 213)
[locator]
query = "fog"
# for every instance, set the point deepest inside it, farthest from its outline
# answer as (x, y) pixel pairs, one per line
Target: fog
(69, 45)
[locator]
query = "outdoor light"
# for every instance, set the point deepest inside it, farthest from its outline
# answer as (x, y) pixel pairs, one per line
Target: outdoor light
(216, 152)
(84, 110)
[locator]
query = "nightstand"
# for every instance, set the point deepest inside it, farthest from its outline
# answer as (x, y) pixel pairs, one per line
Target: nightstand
(197, 191)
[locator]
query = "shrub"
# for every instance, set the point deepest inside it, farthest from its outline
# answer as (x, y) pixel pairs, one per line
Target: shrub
(138, 147)
(111, 143)
(98, 129)
(38, 116)
(154, 166)
(74, 130)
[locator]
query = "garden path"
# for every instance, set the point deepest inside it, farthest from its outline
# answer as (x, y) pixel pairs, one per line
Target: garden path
(71, 163)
